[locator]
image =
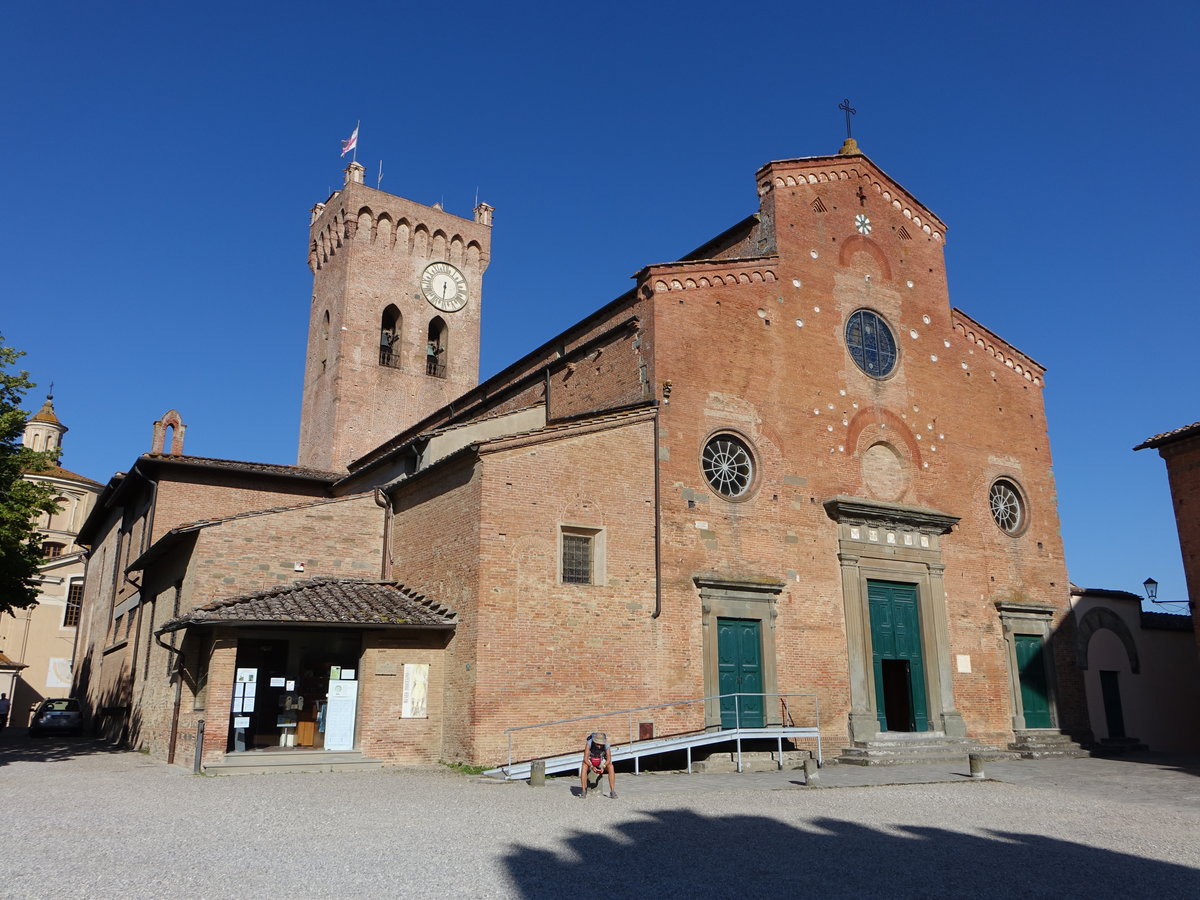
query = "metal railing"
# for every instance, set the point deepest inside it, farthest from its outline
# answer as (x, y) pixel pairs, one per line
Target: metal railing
(786, 721)
(434, 368)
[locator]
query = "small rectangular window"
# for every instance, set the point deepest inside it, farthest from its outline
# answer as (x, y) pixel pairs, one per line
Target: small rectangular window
(576, 558)
(74, 604)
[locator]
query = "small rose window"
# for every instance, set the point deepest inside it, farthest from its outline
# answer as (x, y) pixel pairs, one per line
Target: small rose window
(1008, 509)
(728, 466)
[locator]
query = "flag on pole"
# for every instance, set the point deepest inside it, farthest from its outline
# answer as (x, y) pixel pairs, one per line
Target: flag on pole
(351, 143)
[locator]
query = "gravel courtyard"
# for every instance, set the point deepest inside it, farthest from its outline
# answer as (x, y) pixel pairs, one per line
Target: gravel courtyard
(83, 821)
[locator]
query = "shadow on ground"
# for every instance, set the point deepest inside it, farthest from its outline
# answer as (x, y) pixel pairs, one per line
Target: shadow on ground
(1188, 763)
(679, 853)
(17, 746)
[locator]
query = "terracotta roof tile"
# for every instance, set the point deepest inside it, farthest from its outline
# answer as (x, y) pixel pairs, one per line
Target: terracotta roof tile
(65, 474)
(46, 413)
(243, 466)
(1168, 437)
(325, 601)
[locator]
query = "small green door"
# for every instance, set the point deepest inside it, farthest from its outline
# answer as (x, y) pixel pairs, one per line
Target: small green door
(739, 671)
(900, 703)
(1110, 690)
(1031, 664)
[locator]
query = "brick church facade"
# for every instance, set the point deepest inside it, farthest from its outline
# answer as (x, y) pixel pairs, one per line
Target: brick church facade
(781, 465)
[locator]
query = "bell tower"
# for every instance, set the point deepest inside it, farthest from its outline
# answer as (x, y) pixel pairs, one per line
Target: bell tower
(393, 329)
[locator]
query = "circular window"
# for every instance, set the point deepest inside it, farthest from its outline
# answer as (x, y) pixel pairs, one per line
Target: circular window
(871, 343)
(728, 465)
(1008, 509)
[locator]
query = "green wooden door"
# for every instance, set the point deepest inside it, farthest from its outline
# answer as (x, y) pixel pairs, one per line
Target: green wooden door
(1110, 690)
(900, 702)
(1031, 666)
(739, 671)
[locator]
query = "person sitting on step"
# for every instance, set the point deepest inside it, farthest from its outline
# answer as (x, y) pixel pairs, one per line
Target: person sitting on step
(597, 759)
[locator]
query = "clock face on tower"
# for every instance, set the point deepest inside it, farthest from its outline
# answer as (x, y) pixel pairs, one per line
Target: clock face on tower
(444, 286)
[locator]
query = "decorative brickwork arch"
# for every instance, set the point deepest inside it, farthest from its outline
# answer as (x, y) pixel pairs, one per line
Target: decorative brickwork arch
(1094, 620)
(858, 244)
(870, 426)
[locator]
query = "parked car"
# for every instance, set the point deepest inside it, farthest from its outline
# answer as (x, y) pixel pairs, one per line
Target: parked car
(57, 716)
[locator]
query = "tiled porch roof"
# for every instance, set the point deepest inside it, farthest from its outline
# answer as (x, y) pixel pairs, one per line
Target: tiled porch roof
(324, 601)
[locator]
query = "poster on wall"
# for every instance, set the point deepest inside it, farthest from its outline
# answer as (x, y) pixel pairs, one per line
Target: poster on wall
(339, 715)
(416, 691)
(247, 676)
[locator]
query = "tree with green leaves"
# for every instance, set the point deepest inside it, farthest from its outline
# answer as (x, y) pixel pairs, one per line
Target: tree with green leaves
(21, 500)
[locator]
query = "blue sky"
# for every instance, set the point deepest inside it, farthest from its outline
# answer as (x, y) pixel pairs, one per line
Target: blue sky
(162, 158)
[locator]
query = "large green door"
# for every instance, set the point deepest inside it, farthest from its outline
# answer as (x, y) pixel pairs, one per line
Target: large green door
(739, 671)
(1031, 664)
(900, 703)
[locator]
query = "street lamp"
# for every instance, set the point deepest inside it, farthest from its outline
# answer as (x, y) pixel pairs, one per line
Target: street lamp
(1151, 587)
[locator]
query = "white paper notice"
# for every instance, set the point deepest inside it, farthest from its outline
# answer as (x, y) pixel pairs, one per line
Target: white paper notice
(347, 674)
(241, 722)
(245, 676)
(290, 686)
(277, 682)
(237, 704)
(416, 690)
(248, 704)
(339, 715)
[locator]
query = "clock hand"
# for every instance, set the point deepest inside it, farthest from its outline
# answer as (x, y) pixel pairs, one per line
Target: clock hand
(445, 284)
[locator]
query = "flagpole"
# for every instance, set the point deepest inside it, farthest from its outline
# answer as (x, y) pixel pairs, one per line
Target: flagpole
(354, 154)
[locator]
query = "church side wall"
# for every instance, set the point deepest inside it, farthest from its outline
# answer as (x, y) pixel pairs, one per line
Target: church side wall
(549, 650)
(342, 539)
(434, 549)
(186, 498)
(100, 665)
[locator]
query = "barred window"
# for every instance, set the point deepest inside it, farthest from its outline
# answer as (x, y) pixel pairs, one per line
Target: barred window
(74, 604)
(576, 558)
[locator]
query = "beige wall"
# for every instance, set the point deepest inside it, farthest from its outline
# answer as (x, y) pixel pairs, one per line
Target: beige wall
(1160, 702)
(38, 636)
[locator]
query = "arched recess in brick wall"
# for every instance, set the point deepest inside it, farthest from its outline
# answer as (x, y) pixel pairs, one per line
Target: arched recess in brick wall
(1094, 620)
(859, 244)
(871, 425)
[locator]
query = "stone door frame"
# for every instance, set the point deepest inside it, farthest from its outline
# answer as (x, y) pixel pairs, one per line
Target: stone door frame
(1028, 619)
(892, 542)
(726, 598)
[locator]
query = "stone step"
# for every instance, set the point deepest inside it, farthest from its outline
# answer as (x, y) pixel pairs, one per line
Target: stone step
(1046, 745)
(1042, 737)
(752, 761)
(292, 762)
(915, 748)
